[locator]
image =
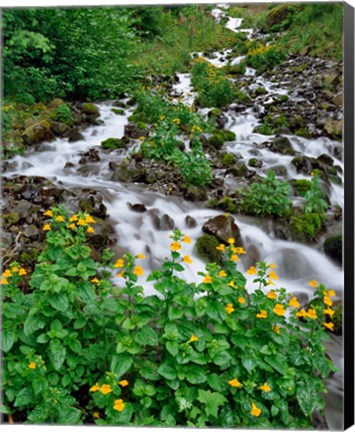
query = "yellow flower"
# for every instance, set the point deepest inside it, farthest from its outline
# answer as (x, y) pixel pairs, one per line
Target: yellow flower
(48, 213)
(255, 411)
(175, 246)
(90, 230)
(241, 300)
(235, 383)
(95, 388)
(294, 303)
(7, 273)
(231, 241)
(82, 222)
(119, 275)
(47, 227)
(279, 309)
(15, 269)
(72, 226)
(313, 283)
(262, 314)
(235, 258)
(32, 365)
(96, 414)
(186, 239)
(105, 389)
(193, 338)
(221, 247)
(327, 301)
(270, 282)
(187, 259)
(74, 218)
(302, 313)
(329, 326)
(207, 279)
(123, 383)
(328, 311)
(4, 281)
(119, 405)
(141, 138)
(140, 256)
(89, 219)
(231, 284)
(311, 313)
(222, 273)
(273, 275)
(265, 388)
(272, 295)
(119, 263)
(59, 218)
(238, 250)
(276, 329)
(330, 293)
(95, 280)
(229, 308)
(138, 271)
(252, 271)
(22, 272)
(273, 266)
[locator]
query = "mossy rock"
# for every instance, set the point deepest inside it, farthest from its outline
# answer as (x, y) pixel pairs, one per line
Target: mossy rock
(306, 226)
(113, 143)
(118, 111)
(238, 69)
(283, 98)
(11, 218)
(241, 97)
(259, 91)
(227, 204)
(214, 112)
(37, 133)
(302, 186)
(263, 129)
(228, 160)
(278, 15)
(255, 163)
(333, 248)
(303, 132)
(206, 249)
(90, 109)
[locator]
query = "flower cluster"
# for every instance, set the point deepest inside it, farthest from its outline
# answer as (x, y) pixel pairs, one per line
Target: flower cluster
(73, 222)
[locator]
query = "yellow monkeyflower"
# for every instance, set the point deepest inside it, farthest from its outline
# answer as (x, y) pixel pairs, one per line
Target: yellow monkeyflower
(82, 222)
(221, 247)
(32, 365)
(96, 414)
(273, 275)
(311, 313)
(329, 293)
(105, 389)
(207, 279)
(238, 250)
(276, 328)
(294, 303)
(95, 280)
(229, 308)
(241, 300)
(329, 326)
(15, 269)
(175, 246)
(255, 411)
(327, 301)
(90, 230)
(231, 241)
(186, 239)
(138, 271)
(279, 309)
(119, 263)
(7, 273)
(222, 273)
(235, 383)
(47, 227)
(262, 314)
(119, 405)
(271, 295)
(193, 338)
(59, 218)
(89, 219)
(123, 383)
(140, 256)
(329, 312)
(273, 266)
(94, 388)
(187, 259)
(265, 388)
(22, 272)
(74, 218)
(4, 281)
(48, 213)
(252, 270)
(302, 313)
(270, 282)
(235, 258)
(72, 226)
(121, 274)
(313, 283)
(231, 284)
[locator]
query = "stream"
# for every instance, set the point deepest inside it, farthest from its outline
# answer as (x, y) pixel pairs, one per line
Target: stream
(136, 232)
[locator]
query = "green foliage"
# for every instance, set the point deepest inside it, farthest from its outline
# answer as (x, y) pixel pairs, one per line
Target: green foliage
(113, 143)
(213, 87)
(314, 197)
(80, 349)
(206, 249)
(228, 159)
(63, 114)
(269, 197)
(264, 58)
(306, 225)
(302, 186)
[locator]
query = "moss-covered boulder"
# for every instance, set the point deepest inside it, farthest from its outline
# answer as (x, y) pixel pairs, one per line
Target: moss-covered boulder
(219, 137)
(278, 15)
(228, 160)
(90, 109)
(333, 248)
(206, 249)
(259, 91)
(114, 143)
(301, 186)
(255, 163)
(306, 226)
(37, 133)
(222, 227)
(118, 111)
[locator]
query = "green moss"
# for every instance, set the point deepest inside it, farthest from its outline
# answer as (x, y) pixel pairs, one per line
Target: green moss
(303, 132)
(113, 143)
(141, 125)
(260, 91)
(62, 113)
(220, 137)
(227, 204)
(306, 226)
(228, 159)
(90, 109)
(241, 97)
(283, 98)
(206, 248)
(264, 129)
(238, 69)
(302, 186)
(118, 111)
(11, 218)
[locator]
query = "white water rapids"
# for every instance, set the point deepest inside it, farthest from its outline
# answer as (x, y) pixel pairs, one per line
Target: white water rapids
(298, 263)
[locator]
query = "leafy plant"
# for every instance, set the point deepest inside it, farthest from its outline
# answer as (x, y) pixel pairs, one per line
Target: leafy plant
(264, 57)
(63, 114)
(314, 197)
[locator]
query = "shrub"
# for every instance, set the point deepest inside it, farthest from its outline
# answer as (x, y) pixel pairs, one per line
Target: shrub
(314, 197)
(269, 197)
(302, 186)
(264, 58)
(80, 349)
(63, 114)
(306, 225)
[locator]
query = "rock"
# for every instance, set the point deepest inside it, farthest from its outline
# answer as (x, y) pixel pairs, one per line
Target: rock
(114, 143)
(90, 109)
(37, 133)
(31, 231)
(124, 173)
(333, 248)
(329, 79)
(206, 249)
(238, 170)
(92, 204)
(338, 100)
(166, 223)
(132, 130)
(75, 135)
(255, 163)
(190, 222)
(103, 236)
(55, 103)
(118, 111)
(280, 144)
(24, 209)
(220, 137)
(59, 129)
(228, 160)
(90, 156)
(302, 164)
(138, 208)
(259, 91)
(195, 193)
(334, 128)
(325, 159)
(277, 15)
(223, 228)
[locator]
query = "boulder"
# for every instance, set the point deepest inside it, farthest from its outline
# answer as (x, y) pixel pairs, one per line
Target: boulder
(333, 248)
(133, 130)
(114, 143)
(206, 249)
(124, 173)
(37, 133)
(195, 193)
(75, 135)
(281, 144)
(90, 110)
(223, 228)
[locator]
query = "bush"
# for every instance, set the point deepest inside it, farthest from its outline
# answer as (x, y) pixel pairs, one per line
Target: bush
(80, 349)
(302, 186)
(314, 197)
(63, 114)
(267, 198)
(264, 58)
(306, 225)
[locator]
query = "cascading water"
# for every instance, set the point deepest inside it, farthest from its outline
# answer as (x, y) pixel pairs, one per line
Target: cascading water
(136, 231)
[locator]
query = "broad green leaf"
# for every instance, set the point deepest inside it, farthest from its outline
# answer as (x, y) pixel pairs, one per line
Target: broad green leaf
(167, 371)
(172, 347)
(32, 324)
(121, 363)
(57, 353)
(195, 374)
(214, 381)
(7, 340)
(59, 301)
(24, 397)
(212, 401)
(146, 336)
(221, 358)
(175, 313)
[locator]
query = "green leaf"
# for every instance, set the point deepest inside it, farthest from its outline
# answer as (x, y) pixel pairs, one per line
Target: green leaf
(174, 313)
(221, 358)
(57, 353)
(24, 397)
(75, 345)
(53, 378)
(70, 416)
(121, 363)
(212, 401)
(172, 347)
(59, 301)
(249, 363)
(308, 397)
(146, 336)
(195, 375)
(8, 338)
(39, 385)
(214, 381)
(33, 323)
(167, 371)
(278, 362)
(80, 323)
